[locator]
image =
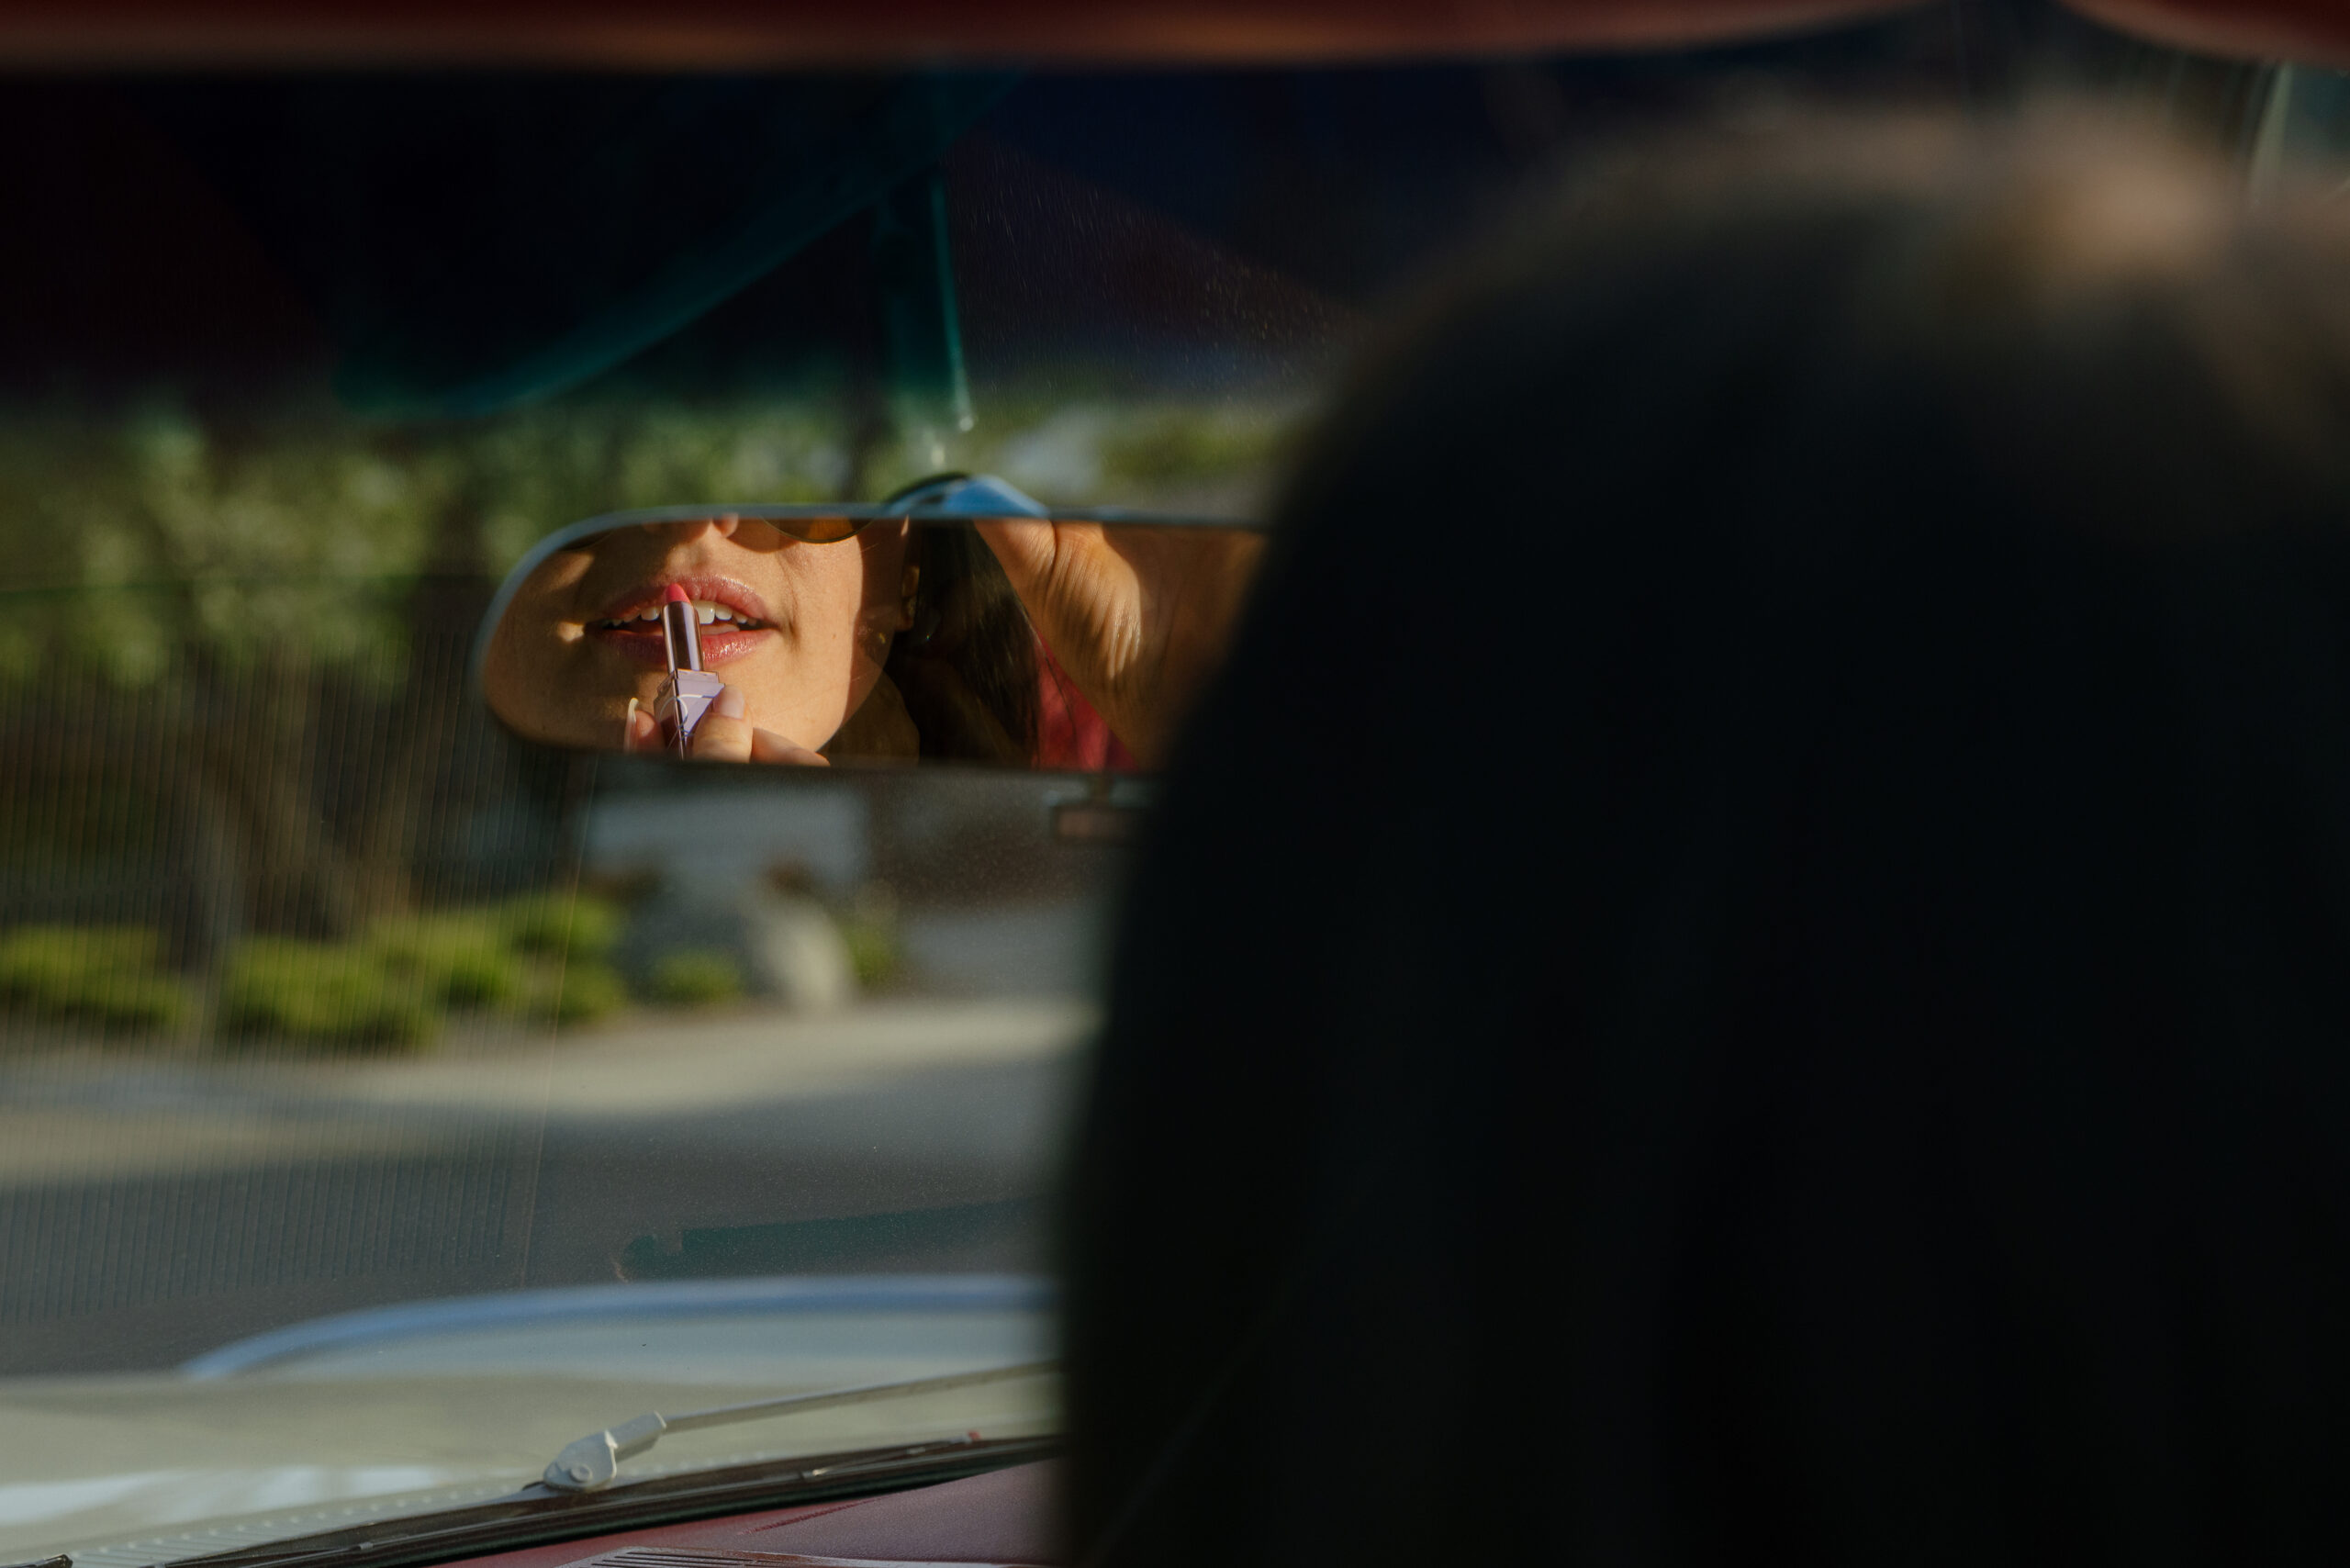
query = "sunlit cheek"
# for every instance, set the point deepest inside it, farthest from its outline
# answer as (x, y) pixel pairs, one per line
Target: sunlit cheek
(802, 677)
(556, 590)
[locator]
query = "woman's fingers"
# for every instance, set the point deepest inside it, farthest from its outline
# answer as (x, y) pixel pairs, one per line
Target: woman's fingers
(1137, 616)
(768, 746)
(719, 739)
(739, 740)
(724, 735)
(1027, 549)
(638, 729)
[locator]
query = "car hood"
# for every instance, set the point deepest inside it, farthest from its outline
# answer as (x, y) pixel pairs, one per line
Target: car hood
(434, 1405)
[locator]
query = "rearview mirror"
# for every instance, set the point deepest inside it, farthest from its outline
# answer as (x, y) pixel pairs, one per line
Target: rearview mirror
(810, 636)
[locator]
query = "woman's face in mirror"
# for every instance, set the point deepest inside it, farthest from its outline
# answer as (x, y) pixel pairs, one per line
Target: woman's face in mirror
(801, 629)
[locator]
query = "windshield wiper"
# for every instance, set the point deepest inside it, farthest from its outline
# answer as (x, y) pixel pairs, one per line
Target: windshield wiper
(593, 1461)
(535, 1515)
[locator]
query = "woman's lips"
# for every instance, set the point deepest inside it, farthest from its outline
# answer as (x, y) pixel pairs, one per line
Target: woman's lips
(718, 647)
(732, 620)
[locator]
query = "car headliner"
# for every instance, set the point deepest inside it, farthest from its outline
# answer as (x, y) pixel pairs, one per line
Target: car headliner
(737, 34)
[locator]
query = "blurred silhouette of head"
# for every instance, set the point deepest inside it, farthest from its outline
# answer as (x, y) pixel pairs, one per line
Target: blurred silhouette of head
(1839, 1047)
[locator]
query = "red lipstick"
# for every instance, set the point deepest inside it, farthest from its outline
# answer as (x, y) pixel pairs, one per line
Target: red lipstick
(687, 691)
(681, 639)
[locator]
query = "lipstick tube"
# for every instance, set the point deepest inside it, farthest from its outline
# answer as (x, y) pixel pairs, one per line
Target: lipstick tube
(688, 690)
(680, 631)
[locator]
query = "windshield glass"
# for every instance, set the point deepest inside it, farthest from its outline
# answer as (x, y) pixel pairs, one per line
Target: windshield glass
(385, 1102)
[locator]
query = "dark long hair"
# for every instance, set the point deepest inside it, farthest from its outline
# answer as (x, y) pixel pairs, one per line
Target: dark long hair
(1751, 959)
(968, 667)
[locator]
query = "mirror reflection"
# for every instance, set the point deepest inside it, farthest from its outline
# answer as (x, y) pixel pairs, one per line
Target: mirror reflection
(791, 636)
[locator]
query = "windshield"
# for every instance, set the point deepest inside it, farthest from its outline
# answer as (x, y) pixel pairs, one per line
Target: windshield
(385, 1102)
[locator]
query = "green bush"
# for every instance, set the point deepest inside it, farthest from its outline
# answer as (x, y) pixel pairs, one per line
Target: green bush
(456, 960)
(389, 987)
(111, 976)
(156, 1004)
(870, 929)
(323, 992)
(392, 985)
(1176, 445)
(696, 977)
(873, 950)
(588, 991)
(551, 925)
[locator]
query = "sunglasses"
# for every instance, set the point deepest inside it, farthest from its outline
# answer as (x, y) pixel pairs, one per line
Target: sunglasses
(762, 528)
(954, 496)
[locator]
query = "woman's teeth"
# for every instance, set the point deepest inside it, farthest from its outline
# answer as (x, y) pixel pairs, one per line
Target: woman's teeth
(704, 611)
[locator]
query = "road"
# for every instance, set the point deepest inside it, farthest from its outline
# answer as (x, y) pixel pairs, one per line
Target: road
(153, 1206)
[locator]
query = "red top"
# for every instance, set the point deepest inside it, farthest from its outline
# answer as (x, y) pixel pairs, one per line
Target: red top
(1070, 735)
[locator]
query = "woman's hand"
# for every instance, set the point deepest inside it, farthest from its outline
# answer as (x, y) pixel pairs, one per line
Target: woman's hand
(723, 736)
(638, 729)
(1139, 617)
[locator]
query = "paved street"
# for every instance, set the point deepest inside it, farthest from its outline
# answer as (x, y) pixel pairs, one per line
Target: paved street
(153, 1206)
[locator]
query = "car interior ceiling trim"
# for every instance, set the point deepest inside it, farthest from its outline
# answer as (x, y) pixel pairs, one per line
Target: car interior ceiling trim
(803, 34)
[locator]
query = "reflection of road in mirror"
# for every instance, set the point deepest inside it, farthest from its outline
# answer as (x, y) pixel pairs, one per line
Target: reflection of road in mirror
(1014, 642)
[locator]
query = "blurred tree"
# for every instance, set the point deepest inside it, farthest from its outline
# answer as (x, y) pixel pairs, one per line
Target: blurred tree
(246, 638)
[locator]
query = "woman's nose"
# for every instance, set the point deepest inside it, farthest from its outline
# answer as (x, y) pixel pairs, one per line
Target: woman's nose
(723, 525)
